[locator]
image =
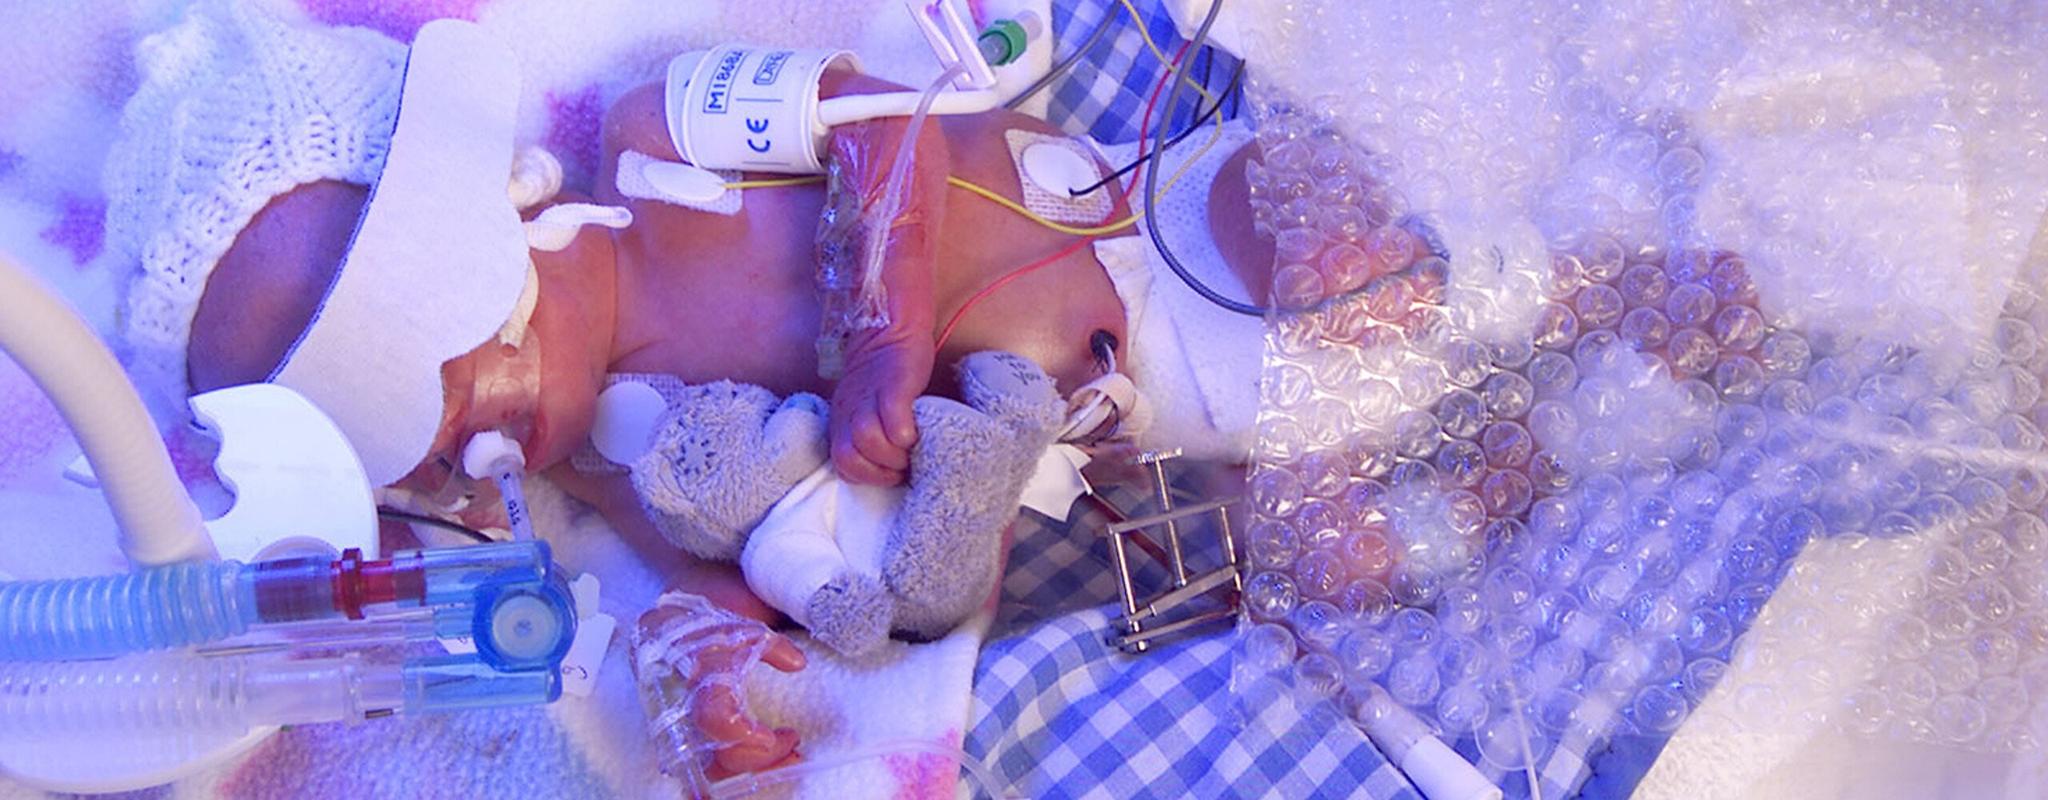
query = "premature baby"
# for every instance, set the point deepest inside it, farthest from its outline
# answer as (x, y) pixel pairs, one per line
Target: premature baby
(243, 232)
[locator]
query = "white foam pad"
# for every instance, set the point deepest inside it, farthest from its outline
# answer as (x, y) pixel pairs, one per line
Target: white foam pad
(437, 263)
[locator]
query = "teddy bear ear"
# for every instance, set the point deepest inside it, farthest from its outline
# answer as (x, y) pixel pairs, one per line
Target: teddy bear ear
(1002, 373)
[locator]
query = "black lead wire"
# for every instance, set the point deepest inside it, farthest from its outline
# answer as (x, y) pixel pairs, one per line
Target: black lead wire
(1157, 157)
(1236, 84)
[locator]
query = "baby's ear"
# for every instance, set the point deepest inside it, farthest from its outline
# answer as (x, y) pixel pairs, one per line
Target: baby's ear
(263, 292)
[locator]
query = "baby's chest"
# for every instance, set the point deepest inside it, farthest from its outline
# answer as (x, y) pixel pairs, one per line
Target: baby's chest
(706, 297)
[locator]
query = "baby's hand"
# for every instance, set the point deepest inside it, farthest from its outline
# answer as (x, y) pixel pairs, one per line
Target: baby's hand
(871, 425)
(701, 653)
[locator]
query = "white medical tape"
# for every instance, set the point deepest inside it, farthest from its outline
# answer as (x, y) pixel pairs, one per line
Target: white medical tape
(794, 551)
(1048, 167)
(1112, 396)
(555, 228)
(437, 263)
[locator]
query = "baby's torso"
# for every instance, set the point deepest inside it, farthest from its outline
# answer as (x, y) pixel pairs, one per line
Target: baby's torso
(706, 297)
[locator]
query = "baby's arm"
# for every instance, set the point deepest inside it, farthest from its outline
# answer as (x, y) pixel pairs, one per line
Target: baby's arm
(743, 744)
(872, 428)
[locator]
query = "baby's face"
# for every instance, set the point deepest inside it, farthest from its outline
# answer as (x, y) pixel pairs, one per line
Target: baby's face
(542, 391)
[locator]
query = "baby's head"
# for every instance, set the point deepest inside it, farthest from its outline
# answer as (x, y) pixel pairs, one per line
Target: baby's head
(241, 183)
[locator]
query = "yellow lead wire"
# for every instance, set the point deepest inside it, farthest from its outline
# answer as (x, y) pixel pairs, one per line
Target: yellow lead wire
(766, 183)
(1138, 21)
(1215, 135)
(998, 199)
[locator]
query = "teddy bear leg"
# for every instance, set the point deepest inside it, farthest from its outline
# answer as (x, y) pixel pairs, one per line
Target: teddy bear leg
(724, 455)
(966, 475)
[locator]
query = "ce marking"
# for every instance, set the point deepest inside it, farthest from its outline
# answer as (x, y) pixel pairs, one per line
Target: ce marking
(757, 125)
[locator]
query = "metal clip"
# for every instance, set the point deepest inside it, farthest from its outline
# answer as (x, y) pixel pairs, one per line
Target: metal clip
(1147, 621)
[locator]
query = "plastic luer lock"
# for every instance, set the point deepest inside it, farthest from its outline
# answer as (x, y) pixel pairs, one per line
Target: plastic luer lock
(1722, 410)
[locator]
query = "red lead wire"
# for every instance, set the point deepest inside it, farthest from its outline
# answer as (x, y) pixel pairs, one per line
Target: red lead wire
(1144, 127)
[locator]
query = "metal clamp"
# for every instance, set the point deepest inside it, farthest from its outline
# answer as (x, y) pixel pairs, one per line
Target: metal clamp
(1147, 621)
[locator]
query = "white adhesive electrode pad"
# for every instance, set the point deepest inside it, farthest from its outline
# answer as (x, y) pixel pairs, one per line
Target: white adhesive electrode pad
(437, 263)
(1049, 168)
(644, 177)
(752, 108)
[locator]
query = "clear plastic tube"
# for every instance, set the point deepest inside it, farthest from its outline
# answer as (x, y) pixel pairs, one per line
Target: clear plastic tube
(753, 784)
(187, 695)
(201, 696)
(153, 609)
(892, 198)
(497, 454)
(851, 306)
(515, 505)
(191, 604)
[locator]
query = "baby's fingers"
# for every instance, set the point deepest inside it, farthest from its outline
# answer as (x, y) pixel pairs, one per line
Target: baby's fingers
(783, 654)
(719, 717)
(780, 750)
(861, 453)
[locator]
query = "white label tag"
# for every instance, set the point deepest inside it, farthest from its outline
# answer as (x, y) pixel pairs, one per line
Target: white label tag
(1056, 482)
(584, 590)
(586, 654)
(458, 645)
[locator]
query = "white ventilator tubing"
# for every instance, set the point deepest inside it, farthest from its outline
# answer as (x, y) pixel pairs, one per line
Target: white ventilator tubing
(857, 107)
(159, 523)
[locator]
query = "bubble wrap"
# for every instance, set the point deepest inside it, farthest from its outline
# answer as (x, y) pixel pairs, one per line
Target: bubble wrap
(1728, 307)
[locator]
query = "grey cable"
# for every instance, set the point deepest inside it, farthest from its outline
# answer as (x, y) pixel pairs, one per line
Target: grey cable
(1109, 16)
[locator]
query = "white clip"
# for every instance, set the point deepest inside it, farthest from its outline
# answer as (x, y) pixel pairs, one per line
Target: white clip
(557, 226)
(952, 42)
(593, 637)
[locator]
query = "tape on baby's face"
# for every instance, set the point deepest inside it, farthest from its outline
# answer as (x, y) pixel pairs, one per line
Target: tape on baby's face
(1048, 167)
(437, 263)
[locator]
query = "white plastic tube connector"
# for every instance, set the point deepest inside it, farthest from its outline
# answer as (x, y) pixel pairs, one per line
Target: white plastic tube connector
(492, 454)
(1435, 769)
(159, 523)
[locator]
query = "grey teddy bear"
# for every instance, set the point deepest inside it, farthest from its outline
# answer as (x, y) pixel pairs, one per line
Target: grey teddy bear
(724, 453)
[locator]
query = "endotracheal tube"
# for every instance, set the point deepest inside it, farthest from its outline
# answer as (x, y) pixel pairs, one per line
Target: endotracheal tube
(497, 456)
